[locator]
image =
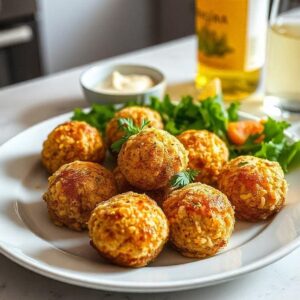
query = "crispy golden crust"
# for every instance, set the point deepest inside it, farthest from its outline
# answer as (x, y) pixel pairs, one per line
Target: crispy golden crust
(149, 159)
(74, 190)
(124, 186)
(207, 154)
(137, 114)
(159, 195)
(256, 187)
(128, 229)
(201, 220)
(72, 141)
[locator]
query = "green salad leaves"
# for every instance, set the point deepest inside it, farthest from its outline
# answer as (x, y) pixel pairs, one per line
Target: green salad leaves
(275, 145)
(211, 115)
(98, 115)
(188, 114)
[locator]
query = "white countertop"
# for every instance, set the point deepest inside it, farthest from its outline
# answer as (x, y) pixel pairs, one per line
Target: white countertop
(25, 104)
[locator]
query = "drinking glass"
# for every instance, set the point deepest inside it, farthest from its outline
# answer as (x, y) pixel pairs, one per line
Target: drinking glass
(282, 86)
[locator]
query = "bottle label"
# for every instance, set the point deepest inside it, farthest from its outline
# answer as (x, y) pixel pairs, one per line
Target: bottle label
(226, 37)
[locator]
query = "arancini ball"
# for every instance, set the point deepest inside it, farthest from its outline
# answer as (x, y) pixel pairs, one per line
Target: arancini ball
(74, 140)
(201, 220)
(137, 114)
(159, 195)
(148, 160)
(124, 186)
(129, 229)
(207, 154)
(256, 187)
(74, 190)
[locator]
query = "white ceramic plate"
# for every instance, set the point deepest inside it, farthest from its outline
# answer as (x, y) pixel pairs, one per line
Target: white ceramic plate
(31, 240)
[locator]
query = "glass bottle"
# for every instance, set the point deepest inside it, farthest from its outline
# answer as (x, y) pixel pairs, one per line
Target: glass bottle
(231, 44)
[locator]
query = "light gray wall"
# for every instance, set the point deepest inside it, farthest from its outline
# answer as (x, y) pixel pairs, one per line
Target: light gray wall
(75, 32)
(176, 19)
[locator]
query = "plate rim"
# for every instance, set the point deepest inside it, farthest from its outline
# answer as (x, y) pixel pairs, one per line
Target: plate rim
(182, 285)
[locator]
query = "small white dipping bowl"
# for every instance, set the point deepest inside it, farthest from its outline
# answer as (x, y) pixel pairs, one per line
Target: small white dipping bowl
(99, 73)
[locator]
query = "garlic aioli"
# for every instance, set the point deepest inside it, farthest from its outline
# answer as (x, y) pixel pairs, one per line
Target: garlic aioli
(119, 83)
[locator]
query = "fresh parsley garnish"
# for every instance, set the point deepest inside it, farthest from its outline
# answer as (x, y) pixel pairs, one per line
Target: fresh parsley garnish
(129, 129)
(183, 178)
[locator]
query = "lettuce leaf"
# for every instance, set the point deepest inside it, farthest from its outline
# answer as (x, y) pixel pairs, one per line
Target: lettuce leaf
(98, 116)
(211, 115)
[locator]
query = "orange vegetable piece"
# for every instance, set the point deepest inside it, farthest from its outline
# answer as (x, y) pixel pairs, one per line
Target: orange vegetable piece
(239, 132)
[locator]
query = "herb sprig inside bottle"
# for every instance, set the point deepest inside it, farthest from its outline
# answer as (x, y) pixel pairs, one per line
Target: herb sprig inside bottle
(127, 125)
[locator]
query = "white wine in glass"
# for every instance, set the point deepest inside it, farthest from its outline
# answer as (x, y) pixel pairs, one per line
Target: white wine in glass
(283, 56)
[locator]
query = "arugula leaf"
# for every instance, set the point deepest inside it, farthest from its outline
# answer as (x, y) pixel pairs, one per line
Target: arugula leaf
(183, 178)
(130, 129)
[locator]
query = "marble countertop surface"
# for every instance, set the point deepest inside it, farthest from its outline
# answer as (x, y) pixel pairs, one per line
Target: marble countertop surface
(26, 104)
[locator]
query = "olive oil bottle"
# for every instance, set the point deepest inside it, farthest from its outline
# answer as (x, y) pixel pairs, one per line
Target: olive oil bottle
(231, 44)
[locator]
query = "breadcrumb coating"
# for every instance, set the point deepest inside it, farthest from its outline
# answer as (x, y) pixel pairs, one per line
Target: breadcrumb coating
(123, 186)
(128, 229)
(74, 190)
(201, 220)
(74, 140)
(256, 187)
(207, 154)
(149, 159)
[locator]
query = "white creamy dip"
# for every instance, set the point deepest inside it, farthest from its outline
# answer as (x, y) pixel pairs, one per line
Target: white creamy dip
(132, 83)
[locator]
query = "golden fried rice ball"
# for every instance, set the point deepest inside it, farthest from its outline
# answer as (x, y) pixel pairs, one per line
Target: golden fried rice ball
(128, 229)
(201, 220)
(159, 195)
(74, 190)
(256, 187)
(74, 140)
(137, 114)
(207, 154)
(149, 159)
(124, 186)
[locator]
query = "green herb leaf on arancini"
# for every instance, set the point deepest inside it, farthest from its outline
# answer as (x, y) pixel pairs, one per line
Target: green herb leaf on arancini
(183, 178)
